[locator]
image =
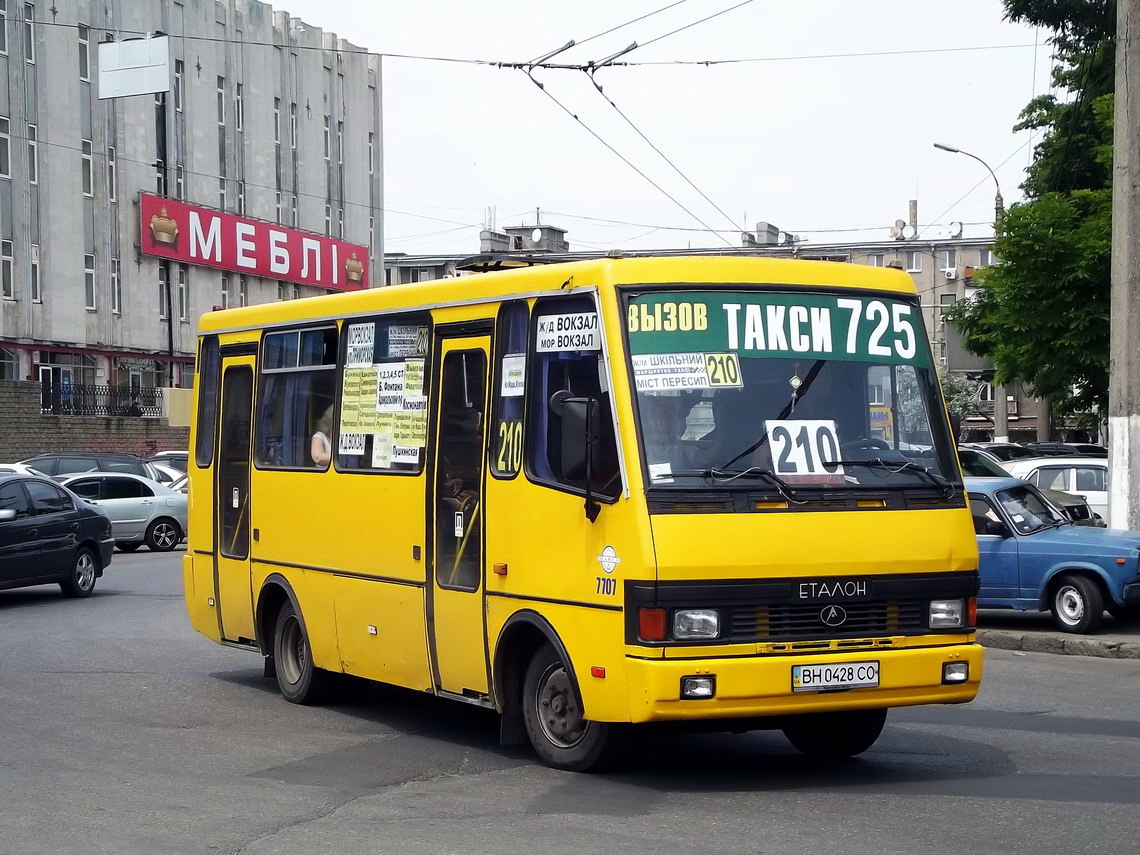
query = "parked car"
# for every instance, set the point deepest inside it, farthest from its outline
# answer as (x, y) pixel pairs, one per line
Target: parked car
(141, 510)
(979, 464)
(57, 463)
(1002, 451)
(180, 460)
(1062, 449)
(1085, 475)
(18, 469)
(1032, 559)
(48, 536)
(165, 474)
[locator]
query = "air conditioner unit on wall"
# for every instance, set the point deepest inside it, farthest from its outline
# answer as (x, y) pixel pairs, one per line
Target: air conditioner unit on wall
(951, 272)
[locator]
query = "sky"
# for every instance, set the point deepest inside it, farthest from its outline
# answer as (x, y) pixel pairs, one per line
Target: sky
(827, 133)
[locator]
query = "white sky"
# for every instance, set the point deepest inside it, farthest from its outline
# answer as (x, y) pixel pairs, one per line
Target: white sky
(808, 144)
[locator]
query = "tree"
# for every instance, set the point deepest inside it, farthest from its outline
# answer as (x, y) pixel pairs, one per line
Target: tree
(1042, 314)
(961, 394)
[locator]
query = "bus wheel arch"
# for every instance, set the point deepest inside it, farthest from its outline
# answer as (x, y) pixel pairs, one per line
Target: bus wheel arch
(275, 591)
(522, 636)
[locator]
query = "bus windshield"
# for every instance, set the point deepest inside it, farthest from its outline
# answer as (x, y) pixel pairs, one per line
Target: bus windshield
(788, 389)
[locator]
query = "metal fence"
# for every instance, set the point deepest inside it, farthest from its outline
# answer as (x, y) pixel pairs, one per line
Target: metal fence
(64, 399)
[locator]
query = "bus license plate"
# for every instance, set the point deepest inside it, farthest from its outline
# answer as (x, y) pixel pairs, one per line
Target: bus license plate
(839, 675)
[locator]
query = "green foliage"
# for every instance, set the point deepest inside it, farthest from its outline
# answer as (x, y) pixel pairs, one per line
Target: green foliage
(961, 393)
(1042, 314)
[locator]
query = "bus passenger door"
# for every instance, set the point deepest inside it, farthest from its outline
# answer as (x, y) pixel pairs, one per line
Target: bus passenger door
(231, 514)
(456, 617)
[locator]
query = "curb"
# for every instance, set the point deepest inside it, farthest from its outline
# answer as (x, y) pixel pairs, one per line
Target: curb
(1076, 646)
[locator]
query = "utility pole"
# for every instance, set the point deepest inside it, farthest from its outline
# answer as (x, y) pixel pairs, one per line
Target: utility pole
(1124, 317)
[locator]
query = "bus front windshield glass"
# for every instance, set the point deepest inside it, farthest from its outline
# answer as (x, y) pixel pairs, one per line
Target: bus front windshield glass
(787, 390)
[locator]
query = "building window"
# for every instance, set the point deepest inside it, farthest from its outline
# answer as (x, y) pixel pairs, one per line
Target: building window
(163, 291)
(875, 259)
(116, 288)
(178, 71)
(226, 298)
(278, 206)
(371, 142)
(3, 26)
(112, 173)
(281, 292)
(243, 293)
(9, 362)
(277, 120)
(239, 107)
(946, 299)
(985, 257)
(241, 197)
(340, 222)
(33, 156)
(328, 138)
(34, 276)
(89, 281)
(371, 236)
(294, 216)
(183, 293)
(949, 258)
(296, 292)
(29, 33)
(913, 261)
(340, 142)
(180, 181)
(222, 101)
(328, 220)
(7, 287)
(88, 178)
(293, 126)
(221, 194)
(84, 53)
(5, 148)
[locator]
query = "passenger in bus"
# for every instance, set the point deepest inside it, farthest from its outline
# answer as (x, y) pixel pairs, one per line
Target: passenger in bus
(320, 446)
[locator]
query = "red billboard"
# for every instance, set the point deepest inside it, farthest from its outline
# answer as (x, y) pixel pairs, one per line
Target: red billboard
(195, 235)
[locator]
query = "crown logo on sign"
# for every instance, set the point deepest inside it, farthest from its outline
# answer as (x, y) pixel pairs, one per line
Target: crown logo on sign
(163, 229)
(354, 269)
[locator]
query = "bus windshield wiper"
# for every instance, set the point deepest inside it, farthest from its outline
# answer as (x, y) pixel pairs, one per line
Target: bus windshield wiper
(900, 466)
(723, 476)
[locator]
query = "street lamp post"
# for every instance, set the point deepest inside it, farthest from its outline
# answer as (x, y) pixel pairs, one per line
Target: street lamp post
(1001, 406)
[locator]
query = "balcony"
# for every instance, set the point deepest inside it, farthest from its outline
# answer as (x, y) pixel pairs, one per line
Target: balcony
(64, 399)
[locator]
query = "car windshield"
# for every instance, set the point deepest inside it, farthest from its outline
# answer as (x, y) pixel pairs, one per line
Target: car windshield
(977, 464)
(1010, 452)
(816, 390)
(1028, 510)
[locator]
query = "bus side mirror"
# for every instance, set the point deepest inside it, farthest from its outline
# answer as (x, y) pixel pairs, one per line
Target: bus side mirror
(580, 424)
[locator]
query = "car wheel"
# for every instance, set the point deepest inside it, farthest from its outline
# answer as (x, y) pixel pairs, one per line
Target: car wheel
(560, 734)
(80, 581)
(127, 547)
(300, 681)
(163, 535)
(1078, 605)
(838, 735)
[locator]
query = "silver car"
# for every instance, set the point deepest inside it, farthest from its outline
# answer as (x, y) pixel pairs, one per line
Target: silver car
(141, 510)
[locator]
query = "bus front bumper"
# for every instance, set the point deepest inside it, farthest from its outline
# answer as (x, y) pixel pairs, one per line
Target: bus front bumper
(756, 686)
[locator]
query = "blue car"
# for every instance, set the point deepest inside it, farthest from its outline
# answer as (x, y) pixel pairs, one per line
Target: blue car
(1030, 557)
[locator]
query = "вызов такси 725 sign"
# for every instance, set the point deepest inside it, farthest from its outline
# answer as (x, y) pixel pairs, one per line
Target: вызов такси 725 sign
(195, 235)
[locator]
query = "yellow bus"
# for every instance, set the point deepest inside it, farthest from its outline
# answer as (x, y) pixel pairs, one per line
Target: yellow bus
(714, 490)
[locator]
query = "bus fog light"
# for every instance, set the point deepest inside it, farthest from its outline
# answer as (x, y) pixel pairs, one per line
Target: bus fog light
(955, 672)
(696, 623)
(697, 688)
(947, 614)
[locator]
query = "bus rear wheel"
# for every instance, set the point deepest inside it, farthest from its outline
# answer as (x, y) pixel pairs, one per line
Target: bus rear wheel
(837, 735)
(300, 681)
(560, 734)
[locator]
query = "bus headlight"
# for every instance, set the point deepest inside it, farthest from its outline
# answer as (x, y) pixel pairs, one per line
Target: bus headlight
(696, 624)
(947, 614)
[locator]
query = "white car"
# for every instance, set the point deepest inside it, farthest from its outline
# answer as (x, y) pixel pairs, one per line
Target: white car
(19, 469)
(1087, 476)
(141, 510)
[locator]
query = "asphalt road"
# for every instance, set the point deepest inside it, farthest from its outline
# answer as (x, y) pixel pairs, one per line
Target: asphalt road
(124, 732)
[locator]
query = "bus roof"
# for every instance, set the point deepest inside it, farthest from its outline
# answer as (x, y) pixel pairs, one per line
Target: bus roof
(602, 272)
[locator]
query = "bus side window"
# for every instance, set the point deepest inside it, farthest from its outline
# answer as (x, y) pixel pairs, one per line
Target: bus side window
(295, 394)
(506, 429)
(581, 373)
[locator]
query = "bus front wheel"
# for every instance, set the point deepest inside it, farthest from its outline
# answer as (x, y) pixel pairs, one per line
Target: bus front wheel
(300, 681)
(559, 733)
(833, 736)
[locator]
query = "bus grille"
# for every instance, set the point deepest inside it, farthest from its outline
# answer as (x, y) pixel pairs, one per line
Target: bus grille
(787, 621)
